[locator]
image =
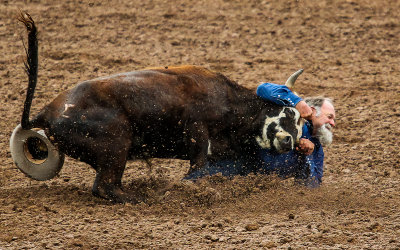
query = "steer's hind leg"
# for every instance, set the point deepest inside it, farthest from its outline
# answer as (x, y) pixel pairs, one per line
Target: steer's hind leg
(110, 150)
(101, 137)
(110, 162)
(108, 184)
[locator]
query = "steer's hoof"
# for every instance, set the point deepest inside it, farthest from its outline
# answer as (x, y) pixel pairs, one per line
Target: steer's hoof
(116, 195)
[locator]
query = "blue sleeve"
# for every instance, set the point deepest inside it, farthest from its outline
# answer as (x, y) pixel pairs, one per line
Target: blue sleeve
(278, 94)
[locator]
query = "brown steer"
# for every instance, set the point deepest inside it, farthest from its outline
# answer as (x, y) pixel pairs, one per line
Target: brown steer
(185, 112)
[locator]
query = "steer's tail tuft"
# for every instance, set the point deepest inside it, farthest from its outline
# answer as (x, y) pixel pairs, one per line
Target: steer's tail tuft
(31, 66)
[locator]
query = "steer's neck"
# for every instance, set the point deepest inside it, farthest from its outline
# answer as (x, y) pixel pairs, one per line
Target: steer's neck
(247, 108)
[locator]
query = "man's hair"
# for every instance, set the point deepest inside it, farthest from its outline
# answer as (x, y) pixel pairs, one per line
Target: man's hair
(317, 102)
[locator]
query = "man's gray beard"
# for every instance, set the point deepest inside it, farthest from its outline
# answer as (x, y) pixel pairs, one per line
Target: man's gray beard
(325, 135)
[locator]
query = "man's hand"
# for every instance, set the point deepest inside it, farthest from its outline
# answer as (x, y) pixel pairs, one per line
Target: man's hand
(305, 146)
(305, 111)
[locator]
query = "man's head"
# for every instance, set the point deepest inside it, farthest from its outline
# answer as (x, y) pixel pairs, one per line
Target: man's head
(323, 119)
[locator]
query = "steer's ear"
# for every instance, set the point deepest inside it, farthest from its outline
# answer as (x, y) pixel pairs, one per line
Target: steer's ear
(289, 112)
(292, 79)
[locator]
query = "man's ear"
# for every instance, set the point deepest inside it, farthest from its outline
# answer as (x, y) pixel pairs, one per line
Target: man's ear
(314, 112)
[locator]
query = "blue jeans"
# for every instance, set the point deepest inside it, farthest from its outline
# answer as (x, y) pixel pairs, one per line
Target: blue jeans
(295, 167)
(225, 167)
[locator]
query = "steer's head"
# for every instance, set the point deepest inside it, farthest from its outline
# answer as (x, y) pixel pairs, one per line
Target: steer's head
(282, 132)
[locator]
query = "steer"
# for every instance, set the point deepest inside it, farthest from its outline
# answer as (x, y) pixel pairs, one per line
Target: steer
(184, 112)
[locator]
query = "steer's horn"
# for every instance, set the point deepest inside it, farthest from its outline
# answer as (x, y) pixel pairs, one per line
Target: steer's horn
(290, 81)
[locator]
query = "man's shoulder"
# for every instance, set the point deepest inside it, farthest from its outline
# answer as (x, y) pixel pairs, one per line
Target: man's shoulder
(269, 85)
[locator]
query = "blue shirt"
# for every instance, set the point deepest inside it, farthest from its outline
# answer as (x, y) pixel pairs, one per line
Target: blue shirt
(307, 170)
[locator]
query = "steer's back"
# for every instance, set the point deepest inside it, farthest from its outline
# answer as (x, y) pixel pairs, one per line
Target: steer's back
(183, 90)
(189, 92)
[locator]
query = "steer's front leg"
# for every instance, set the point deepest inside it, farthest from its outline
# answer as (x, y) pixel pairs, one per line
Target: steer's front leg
(197, 140)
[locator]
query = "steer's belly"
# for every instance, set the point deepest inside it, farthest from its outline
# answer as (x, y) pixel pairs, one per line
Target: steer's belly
(160, 141)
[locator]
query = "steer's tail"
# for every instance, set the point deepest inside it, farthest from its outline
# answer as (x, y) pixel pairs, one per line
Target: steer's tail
(31, 66)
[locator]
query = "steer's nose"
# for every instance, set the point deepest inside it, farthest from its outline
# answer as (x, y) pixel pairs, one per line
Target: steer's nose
(286, 143)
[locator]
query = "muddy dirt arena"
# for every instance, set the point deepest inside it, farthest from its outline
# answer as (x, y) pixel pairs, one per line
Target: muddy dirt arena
(349, 50)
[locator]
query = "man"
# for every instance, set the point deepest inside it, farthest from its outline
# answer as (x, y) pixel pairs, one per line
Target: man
(305, 163)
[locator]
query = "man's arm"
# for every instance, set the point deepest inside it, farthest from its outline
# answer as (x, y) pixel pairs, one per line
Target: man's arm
(306, 111)
(282, 95)
(278, 94)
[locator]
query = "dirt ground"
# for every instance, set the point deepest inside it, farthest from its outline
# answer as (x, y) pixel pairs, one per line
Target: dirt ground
(349, 50)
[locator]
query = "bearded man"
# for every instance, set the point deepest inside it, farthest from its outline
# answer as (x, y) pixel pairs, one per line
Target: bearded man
(305, 163)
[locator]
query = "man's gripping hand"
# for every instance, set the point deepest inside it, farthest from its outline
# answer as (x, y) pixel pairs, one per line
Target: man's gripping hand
(305, 111)
(305, 146)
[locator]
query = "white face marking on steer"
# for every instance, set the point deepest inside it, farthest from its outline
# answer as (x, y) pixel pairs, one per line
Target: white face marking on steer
(264, 142)
(209, 148)
(66, 107)
(299, 127)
